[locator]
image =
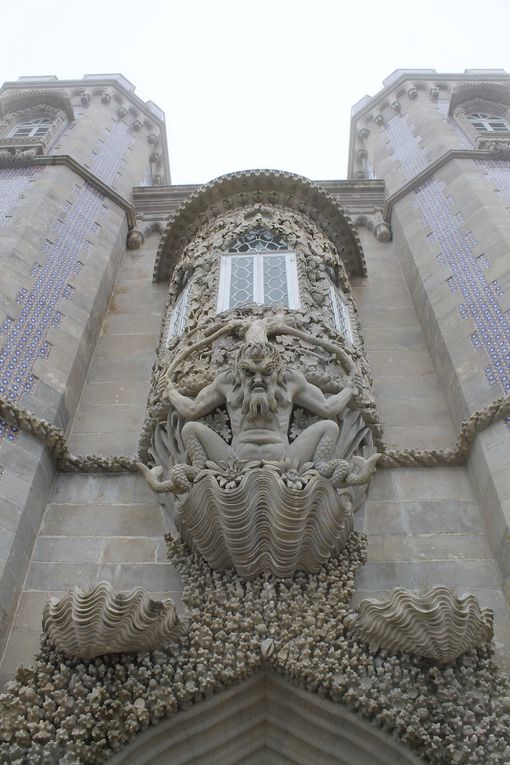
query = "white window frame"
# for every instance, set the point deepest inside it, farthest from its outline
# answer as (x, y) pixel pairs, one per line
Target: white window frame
(179, 315)
(258, 278)
(34, 127)
(341, 315)
(485, 123)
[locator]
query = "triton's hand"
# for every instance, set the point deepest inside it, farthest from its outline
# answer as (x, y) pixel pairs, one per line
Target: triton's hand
(356, 382)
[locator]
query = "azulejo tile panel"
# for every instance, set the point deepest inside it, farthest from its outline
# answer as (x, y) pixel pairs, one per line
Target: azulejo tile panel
(26, 334)
(14, 181)
(478, 297)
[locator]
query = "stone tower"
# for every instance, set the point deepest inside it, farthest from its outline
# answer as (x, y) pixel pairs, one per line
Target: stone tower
(70, 155)
(264, 369)
(442, 145)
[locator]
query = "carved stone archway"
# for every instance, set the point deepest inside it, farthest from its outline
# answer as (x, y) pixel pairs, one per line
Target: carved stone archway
(265, 721)
(268, 187)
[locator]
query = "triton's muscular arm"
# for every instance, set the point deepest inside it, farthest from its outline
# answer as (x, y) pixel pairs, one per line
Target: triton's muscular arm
(207, 400)
(310, 397)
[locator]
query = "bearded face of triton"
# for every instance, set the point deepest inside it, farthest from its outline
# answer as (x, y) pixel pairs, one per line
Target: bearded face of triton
(257, 373)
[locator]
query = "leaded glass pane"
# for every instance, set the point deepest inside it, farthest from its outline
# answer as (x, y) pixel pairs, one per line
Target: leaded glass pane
(275, 280)
(32, 128)
(180, 313)
(340, 314)
(488, 123)
(258, 240)
(241, 281)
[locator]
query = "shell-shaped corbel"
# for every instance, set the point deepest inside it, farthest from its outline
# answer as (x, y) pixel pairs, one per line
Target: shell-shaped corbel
(263, 525)
(438, 625)
(90, 623)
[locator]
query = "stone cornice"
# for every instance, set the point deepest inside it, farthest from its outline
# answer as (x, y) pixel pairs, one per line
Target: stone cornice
(356, 196)
(267, 187)
(75, 167)
(431, 170)
(88, 86)
(46, 86)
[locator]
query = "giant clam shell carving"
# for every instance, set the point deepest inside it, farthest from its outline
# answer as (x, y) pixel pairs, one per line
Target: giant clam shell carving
(99, 621)
(438, 625)
(262, 524)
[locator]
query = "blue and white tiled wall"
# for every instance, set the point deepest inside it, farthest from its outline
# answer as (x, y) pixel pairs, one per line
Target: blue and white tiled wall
(25, 335)
(478, 297)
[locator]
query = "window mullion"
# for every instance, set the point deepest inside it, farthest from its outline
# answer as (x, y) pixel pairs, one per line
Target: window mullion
(224, 286)
(258, 278)
(292, 283)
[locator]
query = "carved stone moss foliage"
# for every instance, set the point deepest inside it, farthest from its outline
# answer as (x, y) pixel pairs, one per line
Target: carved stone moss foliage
(71, 711)
(321, 367)
(316, 256)
(317, 262)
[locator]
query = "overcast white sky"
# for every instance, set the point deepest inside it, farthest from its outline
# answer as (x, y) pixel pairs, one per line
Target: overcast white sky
(253, 84)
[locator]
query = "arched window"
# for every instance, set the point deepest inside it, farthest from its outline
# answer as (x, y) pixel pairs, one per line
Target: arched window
(488, 123)
(259, 268)
(32, 128)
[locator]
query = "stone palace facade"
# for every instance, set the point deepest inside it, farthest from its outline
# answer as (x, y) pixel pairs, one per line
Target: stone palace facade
(254, 437)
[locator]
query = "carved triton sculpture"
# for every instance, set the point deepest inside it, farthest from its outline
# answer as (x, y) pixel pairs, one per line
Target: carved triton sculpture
(262, 502)
(259, 394)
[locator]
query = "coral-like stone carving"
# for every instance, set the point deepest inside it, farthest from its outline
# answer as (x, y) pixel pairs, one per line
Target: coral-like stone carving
(64, 710)
(438, 625)
(101, 621)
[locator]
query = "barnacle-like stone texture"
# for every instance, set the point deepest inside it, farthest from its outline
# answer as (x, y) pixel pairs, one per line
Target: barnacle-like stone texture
(90, 623)
(263, 524)
(438, 624)
(80, 711)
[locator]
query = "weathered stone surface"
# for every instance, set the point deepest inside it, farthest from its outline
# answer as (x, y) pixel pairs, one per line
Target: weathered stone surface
(85, 624)
(438, 624)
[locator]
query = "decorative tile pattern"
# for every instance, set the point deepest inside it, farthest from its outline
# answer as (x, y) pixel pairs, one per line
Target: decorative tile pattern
(404, 145)
(109, 155)
(14, 181)
(26, 335)
(498, 172)
(479, 297)
(482, 262)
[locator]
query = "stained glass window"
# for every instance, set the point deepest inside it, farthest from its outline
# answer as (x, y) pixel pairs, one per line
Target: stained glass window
(258, 269)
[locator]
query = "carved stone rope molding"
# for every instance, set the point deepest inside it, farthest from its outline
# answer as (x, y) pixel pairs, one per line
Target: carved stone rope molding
(54, 439)
(56, 442)
(498, 410)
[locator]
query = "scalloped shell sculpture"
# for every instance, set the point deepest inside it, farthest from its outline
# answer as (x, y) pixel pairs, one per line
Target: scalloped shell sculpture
(90, 623)
(438, 625)
(263, 525)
